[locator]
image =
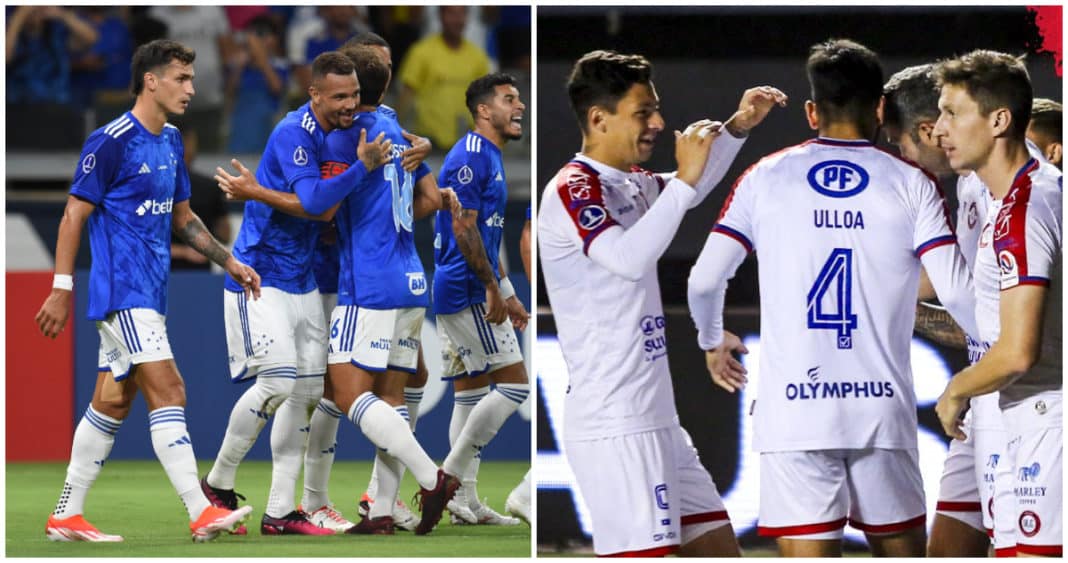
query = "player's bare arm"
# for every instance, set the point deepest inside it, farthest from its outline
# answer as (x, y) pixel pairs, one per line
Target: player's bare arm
(754, 106)
(413, 156)
(937, 324)
(465, 229)
(428, 198)
(1015, 352)
(191, 230)
(516, 311)
(56, 309)
(726, 371)
(524, 249)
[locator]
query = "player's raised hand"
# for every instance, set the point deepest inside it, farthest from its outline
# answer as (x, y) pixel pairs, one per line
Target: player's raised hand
(244, 275)
(496, 310)
(374, 153)
(691, 149)
(949, 409)
(412, 157)
(755, 105)
(449, 201)
(237, 188)
(726, 371)
(54, 312)
(517, 313)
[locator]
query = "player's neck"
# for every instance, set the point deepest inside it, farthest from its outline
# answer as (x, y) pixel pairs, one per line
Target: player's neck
(603, 153)
(1005, 161)
(323, 124)
(844, 131)
(149, 114)
(491, 134)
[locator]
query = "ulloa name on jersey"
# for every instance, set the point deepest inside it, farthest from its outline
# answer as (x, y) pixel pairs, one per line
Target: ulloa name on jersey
(835, 219)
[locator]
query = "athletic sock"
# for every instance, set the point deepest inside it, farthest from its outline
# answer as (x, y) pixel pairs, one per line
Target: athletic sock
(462, 404)
(288, 441)
(483, 423)
(93, 439)
(389, 473)
(413, 396)
(318, 460)
(389, 431)
(175, 452)
(247, 419)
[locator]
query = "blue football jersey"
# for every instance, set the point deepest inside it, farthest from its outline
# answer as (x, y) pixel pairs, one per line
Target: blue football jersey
(380, 268)
(326, 261)
(475, 171)
(280, 246)
(134, 178)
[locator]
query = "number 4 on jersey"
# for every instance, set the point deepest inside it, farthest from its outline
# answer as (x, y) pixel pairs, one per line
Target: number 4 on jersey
(837, 312)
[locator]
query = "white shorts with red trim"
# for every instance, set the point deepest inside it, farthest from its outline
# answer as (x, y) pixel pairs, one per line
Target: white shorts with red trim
(1035, 449)
(130, 337)
(376, 340)
(958, 491)
(812, 494)
(644, 491)
(993, 472)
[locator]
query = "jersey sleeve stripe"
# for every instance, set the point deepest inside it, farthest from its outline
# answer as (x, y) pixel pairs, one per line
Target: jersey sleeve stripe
(742, 239)
(935, 243)
(1032, 280)
(1010, 227)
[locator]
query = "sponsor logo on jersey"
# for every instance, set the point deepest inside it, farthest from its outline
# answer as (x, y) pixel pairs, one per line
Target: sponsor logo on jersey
(655, 343)
(409, 343)
(838, 178)
(660, 492)
(835, 219)
(1030, 472)
(578, 186)
(1030, 523)
(992, 461)
(495, 220)
(331, 169)
(300, 156)
(153, 207)
(112, 355)
(416, 283)
(380, 344)
(88, 163)
(1010, 274)
(144, 169)
(464, 175)
(591, 216)
(839, 390)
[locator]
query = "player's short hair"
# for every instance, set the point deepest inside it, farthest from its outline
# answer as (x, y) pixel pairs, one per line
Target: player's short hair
(1046, 118)
(602, 78)
(846, 80)
(994, 80)
(153, 55)
(372, 72)
(369, 38)
(331, 62)
(482, 89)
(911, 98)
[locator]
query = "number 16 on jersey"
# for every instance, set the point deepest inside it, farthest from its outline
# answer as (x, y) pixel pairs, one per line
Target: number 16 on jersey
(834, 311)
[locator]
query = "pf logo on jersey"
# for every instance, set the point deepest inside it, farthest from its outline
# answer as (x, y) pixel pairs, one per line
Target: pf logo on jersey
(300, 156)
(416, 283)
(591, 217)
(838, 178)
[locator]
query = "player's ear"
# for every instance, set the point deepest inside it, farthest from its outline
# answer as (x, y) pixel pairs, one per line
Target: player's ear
(812, 115)
(595, 117)
(879, 109)
(925, 129)
(1054, 153)
(1000, 120)
(150, 81)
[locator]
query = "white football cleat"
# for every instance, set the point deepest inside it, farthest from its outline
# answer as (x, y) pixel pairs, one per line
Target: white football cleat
(329, 518)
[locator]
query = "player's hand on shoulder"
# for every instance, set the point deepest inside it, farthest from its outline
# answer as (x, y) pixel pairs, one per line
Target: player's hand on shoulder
(496, 310)
(237, 188)
(517, 312)
(755, 105)
(726, 371)
(412, 157)
(54, 312)
(374, 153)
(244, 275)
(691, 149)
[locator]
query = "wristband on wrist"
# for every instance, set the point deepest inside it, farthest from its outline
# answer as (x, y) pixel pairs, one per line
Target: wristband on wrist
(63, 281)
(507, 291)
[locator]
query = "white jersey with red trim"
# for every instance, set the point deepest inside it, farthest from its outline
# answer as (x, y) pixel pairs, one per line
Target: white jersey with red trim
(1020, 244)
(839, 228)
(611, 328)
(973, 200)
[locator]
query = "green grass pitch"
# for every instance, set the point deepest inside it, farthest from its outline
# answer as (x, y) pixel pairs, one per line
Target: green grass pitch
(135, 499)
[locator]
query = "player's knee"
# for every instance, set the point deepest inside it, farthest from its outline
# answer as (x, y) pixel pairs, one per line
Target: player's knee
(419, 378)
(276, 387)
(514, 374)
(116, 407)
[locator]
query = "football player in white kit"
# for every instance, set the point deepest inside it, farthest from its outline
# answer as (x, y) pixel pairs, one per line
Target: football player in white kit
(1045, 128)
(602, 226)
(841, 228)
(985, 107)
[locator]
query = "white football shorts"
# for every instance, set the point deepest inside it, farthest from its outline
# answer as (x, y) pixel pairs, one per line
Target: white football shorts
(993, 472)
(647, 493)
(471, 345)
(270, 335)
(812, 494)
(376, 340)
(130, 337)
(1035, 447)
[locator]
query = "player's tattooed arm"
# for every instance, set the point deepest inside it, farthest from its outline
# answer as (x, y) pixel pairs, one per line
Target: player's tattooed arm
(191, 230)
(938, 325)
(469, 241)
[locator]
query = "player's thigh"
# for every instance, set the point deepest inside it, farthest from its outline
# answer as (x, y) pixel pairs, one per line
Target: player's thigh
(1035, 428)
(804, 495)
(160, 383)
(260, 333)
(130, 337)
(113, 398)
(886, 490)
(631, 488)
(310, 336)
(480, 346)
(418, 379)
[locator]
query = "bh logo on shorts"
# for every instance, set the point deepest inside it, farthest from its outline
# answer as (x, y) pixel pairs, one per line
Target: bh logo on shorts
(1030, 523)
(838, 178)
(416, 283)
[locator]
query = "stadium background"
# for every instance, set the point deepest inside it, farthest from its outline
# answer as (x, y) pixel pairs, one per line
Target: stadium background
(704, 58)
(44, 137)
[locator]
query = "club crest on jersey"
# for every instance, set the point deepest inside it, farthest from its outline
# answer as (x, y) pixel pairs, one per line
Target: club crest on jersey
(973, 215)
(1030, 524)
(416, 283)
(300, 156)
(838, 178)
(592, 216)
(464, 175)
(88, 163)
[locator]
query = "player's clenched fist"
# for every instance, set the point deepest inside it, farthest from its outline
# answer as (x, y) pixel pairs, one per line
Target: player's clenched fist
(691, 149)
(755, 105)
